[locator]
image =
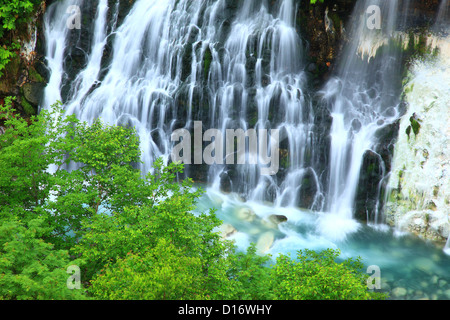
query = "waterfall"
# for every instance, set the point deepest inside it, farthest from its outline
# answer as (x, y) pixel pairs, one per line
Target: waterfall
(139, 85)
(56, 34)
(443, 17)
(273, 94)
(363, 99)
(171, 65)
(194, 65)
(177, 62)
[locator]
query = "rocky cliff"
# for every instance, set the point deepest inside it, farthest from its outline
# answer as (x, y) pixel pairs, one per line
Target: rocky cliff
(419, 200)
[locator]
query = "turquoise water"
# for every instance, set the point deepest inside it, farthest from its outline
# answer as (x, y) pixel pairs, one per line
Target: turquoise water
(410, 268)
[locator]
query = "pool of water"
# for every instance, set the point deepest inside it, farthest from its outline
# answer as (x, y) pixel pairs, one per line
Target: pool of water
(410, 268)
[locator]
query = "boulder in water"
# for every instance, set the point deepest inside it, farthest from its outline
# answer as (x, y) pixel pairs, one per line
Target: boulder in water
(277, 218)
(265, 241)
(246, 214)
(399, 292)
(227, 230)
(225, 183)
(274, 220)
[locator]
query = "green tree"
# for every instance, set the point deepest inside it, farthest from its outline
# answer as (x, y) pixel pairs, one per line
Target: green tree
(164, 272)
(35, 156)
(248, 275)
(168, 216)
(318, 276)
(30, 268)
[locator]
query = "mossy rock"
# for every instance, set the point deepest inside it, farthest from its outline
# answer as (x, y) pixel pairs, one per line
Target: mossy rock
(34, 76)
(33, 92)
(28, 108)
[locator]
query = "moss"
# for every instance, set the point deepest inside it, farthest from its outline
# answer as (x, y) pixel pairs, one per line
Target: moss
(408, 131)
(409, 89)
(415, 125)
(28, 108)
(334, 17)
(34, 76)
(436, 191)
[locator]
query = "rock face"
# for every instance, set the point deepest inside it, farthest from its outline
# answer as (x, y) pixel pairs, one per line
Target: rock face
(419, 200)
(368, 190)
(21, 77)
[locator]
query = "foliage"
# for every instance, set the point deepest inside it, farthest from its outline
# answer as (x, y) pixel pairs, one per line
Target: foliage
(163, 272)
(112, 236)
(318, 276)
(5, 55)
(34, 156)
(13, 14)
(30, 269)
(249, 276)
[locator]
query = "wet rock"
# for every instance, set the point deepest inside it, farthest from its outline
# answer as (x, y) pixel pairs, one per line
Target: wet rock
(227, 230)
(277, 218)
(311, 67)
(424, 264)
(385, 286)
(447, 293)
(246, 214)
(399, 292)
(33, 92)
(443, 283)
(273, 221)
(426, 224)
(265, 242)
(419, 293)
(225, 183)
(307, 191)
(367, 195)
(434, 279)
(356, 125)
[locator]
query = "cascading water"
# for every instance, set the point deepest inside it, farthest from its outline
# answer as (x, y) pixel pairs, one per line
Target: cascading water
(56, 35)
(167, 63)
(177, 62)
(443, 18)
(273, 95)
(363, 98)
